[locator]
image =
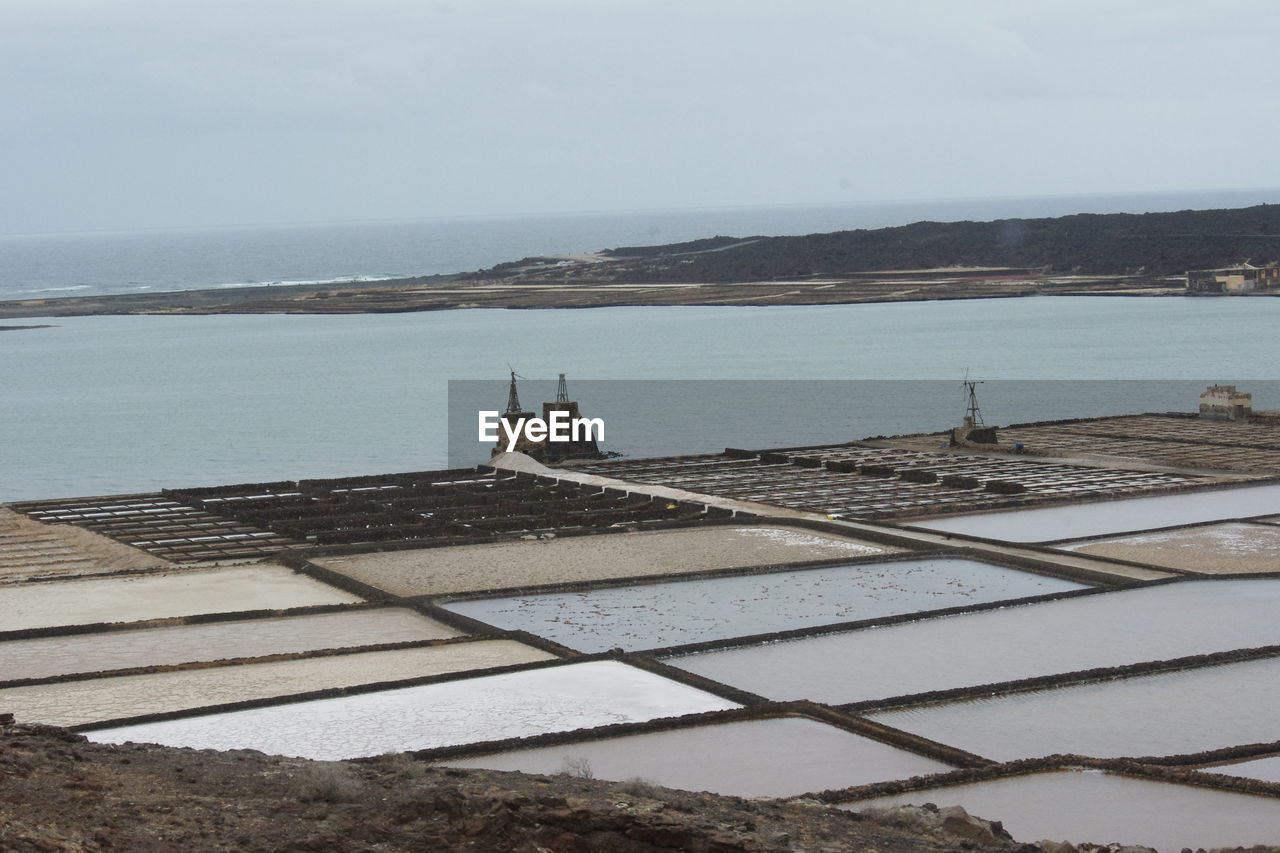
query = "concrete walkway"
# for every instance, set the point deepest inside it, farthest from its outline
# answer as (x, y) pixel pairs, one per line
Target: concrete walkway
(1070, 563)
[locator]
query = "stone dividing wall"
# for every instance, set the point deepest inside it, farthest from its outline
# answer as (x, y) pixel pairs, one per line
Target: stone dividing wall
(322, 551)
(220, 662)
(880, 621)
(1008, 561)
(336, 579)
(669, 577)
(763, 711)
(194, 619)
(1198, 760)
(864, 481)
(334, 692)
(1191, 525)
(1022, 767)
(1041, 682)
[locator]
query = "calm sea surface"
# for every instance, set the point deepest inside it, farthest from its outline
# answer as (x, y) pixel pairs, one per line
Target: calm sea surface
(101, 405)
(113, 404)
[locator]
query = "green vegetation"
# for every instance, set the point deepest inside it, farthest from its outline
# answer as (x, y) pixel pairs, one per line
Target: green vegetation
(1090, 244)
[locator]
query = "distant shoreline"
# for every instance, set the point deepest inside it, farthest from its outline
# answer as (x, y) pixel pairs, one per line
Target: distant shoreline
(452, 294)
(1076, 255)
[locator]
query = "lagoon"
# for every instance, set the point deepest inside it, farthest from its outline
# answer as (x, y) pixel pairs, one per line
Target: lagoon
(106, 405)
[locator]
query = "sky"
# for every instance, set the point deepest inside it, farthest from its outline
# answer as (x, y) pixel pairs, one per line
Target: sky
(176, 113)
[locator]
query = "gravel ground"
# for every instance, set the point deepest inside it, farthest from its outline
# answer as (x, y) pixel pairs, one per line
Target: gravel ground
(1217, 549)
(434, 571)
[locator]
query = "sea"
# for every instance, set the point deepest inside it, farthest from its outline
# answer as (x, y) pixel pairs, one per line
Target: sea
(109, 405)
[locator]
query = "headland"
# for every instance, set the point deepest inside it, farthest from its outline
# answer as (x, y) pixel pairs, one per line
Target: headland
(1148, 254)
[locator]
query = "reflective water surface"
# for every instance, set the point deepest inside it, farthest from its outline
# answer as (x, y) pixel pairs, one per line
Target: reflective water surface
(668, 614)
(1107, 629)
(1094, 519)
(1101, 808)
(1168, 714)
(757, 758)
(492, 707)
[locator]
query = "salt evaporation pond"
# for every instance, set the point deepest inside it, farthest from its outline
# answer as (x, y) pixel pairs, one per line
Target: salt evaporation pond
(1107, 629)
(516, 704)
(1213, 549)
(1097, 519)
(1175, 713)
(780, 757)
(82, 653)
(572, 559)
(666, 614)
(141, 597)
(1103, 808)
(74, 703)
(1266, 769)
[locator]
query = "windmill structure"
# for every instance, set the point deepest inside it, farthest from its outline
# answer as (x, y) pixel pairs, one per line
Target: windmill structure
(973, 430)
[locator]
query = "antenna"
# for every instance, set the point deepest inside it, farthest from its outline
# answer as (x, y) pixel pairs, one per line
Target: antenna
(562, 392)
(513, 399)
(972, 414)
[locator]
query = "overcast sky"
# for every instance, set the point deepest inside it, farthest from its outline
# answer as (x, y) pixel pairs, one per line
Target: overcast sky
(158, 113)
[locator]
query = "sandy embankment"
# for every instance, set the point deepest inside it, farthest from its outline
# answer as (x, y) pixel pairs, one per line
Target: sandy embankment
(464, 568)
(141, 597)
(76, 702)
(31, 549)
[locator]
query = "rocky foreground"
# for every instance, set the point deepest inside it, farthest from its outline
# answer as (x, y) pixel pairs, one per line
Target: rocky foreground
(59, 792)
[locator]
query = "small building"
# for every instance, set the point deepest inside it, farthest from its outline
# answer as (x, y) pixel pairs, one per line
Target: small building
(1225, 403)
(1244, 278)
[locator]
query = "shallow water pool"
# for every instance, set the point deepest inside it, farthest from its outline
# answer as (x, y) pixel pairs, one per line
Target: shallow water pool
(691, 611)
(1102, 808)
(1096, 519)
(779, 757)
(1108, 629)
(1173, 713)
(517, 704)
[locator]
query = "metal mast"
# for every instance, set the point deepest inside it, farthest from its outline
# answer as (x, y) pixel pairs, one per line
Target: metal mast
(513, 399)
(972, 413)
(562, 392)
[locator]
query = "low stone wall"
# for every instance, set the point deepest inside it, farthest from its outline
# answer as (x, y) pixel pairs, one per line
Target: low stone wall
(328, 693)
(1084, 676)
(170, 621)
(1122, 766)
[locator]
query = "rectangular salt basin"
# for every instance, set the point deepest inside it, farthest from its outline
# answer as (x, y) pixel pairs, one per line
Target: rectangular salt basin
(73, 703)
(515, 704)
(1096, 519)
(1235, 548)
(1107, 629)
(1173, 713)
(82, 653)
(141, 597)
(1266, 769)
(436, 571)
(667, 614)
(781, 757)
(1103, 808)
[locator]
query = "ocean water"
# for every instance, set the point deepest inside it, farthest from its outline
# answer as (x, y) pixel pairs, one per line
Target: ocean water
(82, 264)
(102, 405)
(107, 405)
